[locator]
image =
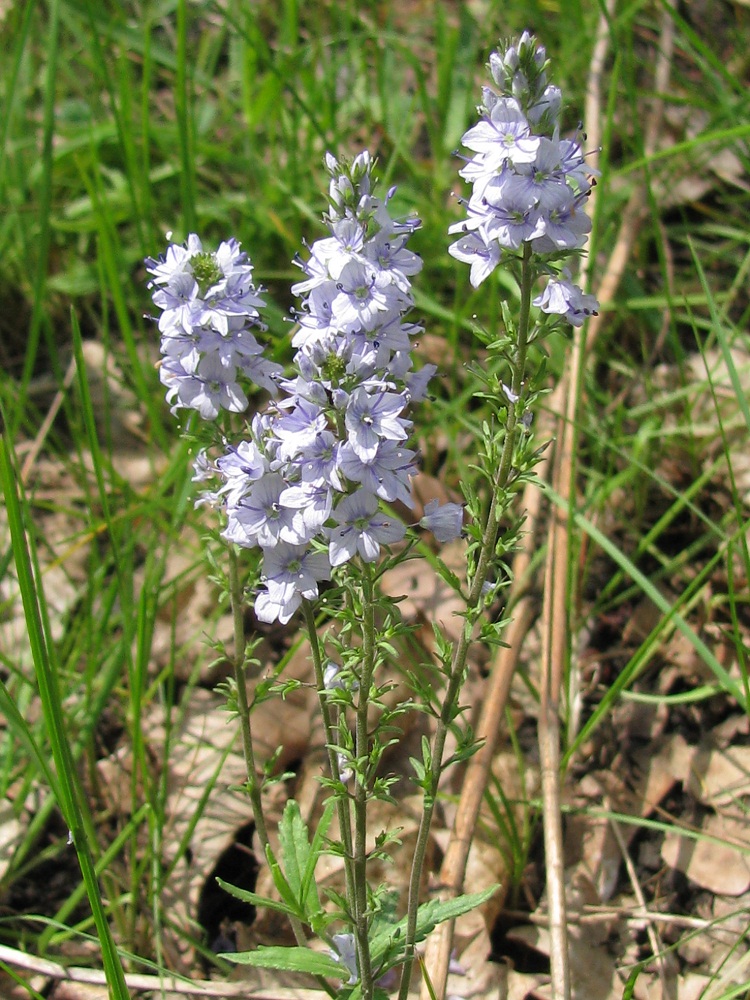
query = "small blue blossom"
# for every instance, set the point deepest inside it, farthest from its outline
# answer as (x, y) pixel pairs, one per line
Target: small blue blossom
(306, 484)
(290, 572)
(563, 297)
(363, 528)
(311, 506)
(260, 519)
(373, 417)
(209, 387)
(320, 461)
(387, 473)
(208, 303)
(346, 953)
(444, 522)
(331, 677)
(335, 680)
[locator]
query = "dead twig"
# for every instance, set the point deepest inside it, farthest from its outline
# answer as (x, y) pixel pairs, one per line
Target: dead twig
(665, 974)
(555, 607)
(453, 869)
(137, 981)
(38, 443)
(557, 603)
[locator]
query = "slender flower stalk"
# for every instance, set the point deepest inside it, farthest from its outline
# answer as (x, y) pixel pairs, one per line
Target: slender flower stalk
(485, 563)
(362, 788)
(236, 600)
(526, 210)
(333, 763)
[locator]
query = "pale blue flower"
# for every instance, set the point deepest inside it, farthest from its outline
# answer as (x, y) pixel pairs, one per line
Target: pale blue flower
(208, 302)
(240, 467)
(290, 573)
(563, 297)
(446, 522)
(363, 528)
(483, 255)
(503, 135)
(211, 387)
(260, 519)
(346, 953)
(373, 417)
(387, 473)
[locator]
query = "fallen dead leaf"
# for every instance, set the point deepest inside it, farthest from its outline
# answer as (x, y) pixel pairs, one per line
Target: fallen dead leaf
(472, 974)
(721, 778)
(427, 597)
(718, 867)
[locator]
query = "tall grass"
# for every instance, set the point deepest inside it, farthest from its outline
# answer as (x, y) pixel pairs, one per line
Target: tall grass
(120, 121)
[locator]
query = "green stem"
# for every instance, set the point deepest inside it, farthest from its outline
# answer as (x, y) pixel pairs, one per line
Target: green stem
(474, 607)
(361, 788)
(331, 740)
(243, 707)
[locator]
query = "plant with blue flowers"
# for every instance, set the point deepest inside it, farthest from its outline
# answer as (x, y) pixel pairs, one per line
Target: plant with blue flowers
(305, 490)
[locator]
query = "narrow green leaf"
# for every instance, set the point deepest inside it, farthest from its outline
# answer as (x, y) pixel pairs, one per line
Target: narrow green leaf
(309, 888)
(316, 963)
(71, 798)
(285, 890)
(386, 946)
(669, 611)
(629, 990)
(256, 900)
(295, 845)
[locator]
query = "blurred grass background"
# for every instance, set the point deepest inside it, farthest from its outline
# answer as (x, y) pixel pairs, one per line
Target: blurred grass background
(120, 122)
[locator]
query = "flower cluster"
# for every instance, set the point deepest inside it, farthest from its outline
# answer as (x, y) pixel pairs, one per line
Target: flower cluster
(306, 485)
(529, 186)
(209, 305)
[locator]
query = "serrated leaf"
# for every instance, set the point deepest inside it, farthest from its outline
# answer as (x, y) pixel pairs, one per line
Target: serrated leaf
(316, 963)
(316, 848)
(387, 945)
(279, 880)
(252, 897)
(295, 846)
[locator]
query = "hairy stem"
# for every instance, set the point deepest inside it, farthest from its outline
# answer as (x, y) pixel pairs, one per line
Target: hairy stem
(498, 505)
(243, 707)
(243, 710)
(362, 783)
(342, 806)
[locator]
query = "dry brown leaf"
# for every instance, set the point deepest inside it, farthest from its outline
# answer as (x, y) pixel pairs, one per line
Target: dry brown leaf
(203, 751)
(62, 561)
(592, 969)
(79, 991)
(523, 985)
(427, 597)
(119, 418)
(718, 867)
(593, 855)
(679, 181)
(426, 488)
(472, 974)
(664, 765)
(693, 986)
(720, 778)
(731, 730)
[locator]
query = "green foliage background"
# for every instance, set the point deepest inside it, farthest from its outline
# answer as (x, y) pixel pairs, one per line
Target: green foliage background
(121, 121)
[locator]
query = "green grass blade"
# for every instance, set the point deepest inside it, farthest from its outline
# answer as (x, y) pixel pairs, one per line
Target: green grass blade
(45, 212)
(71, 799)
